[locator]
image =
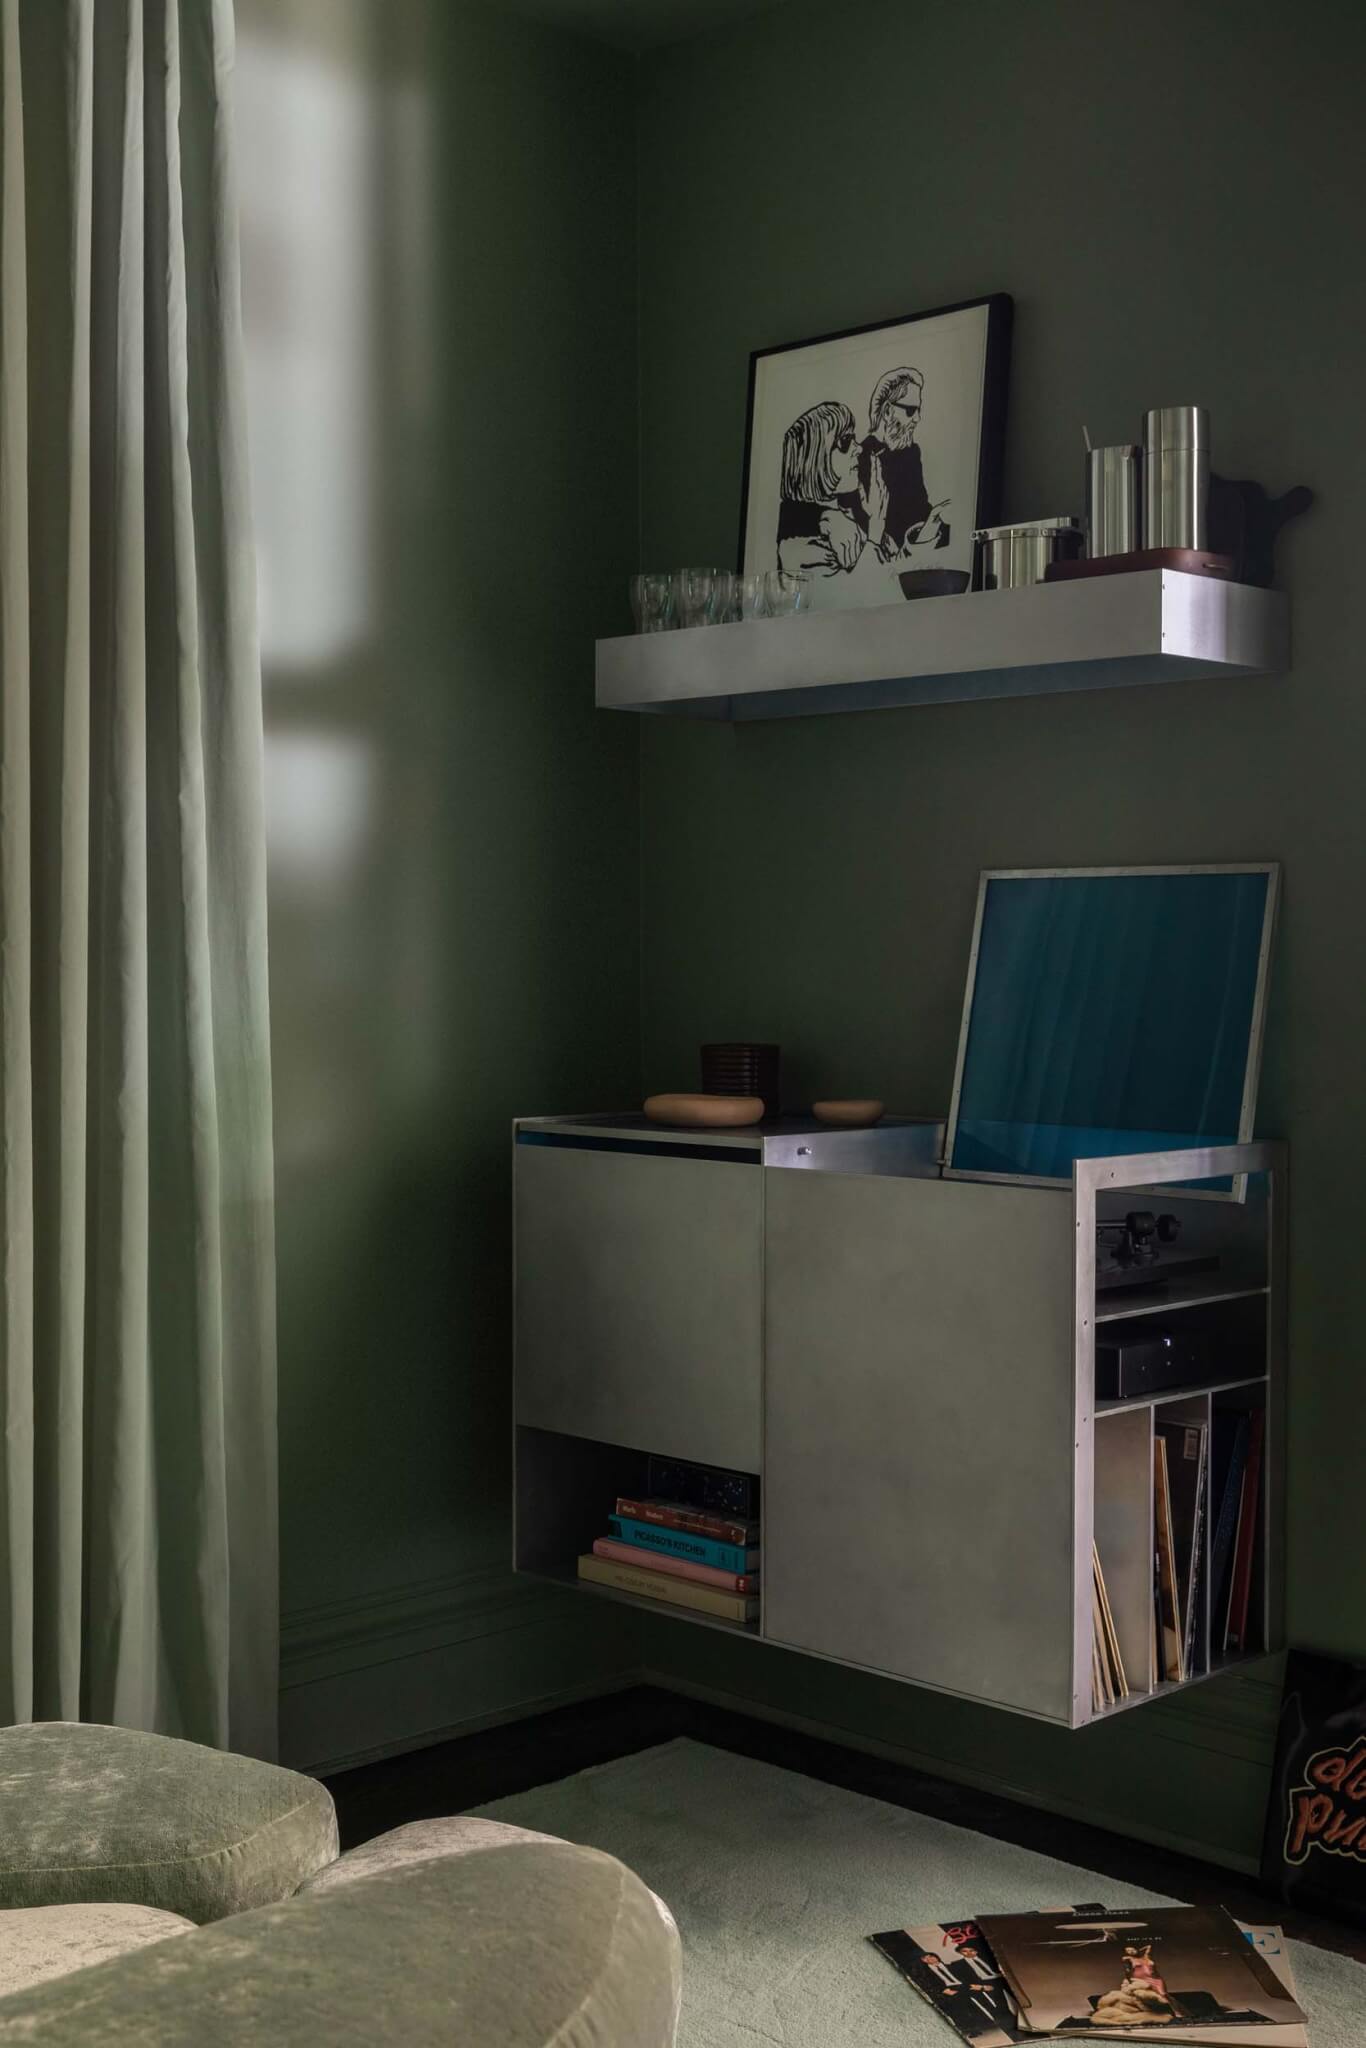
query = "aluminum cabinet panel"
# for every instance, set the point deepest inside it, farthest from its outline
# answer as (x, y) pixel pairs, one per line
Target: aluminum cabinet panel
(920, 1451)
(639, 1300)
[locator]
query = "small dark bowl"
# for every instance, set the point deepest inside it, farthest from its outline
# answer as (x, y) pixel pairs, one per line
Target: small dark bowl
(933, 582)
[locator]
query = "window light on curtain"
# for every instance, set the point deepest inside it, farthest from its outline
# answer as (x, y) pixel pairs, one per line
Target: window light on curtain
(138, 1571)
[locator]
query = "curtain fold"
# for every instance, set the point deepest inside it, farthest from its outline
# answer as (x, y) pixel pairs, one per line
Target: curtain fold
(138, 1581)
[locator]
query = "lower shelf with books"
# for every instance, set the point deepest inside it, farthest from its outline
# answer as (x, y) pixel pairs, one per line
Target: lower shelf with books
(639, 1526)
(568, 1575)
(1180, 1543)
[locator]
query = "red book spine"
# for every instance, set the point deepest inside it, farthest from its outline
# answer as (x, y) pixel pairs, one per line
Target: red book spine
(1247, 1535)
(697, 1521)
(676, 1567)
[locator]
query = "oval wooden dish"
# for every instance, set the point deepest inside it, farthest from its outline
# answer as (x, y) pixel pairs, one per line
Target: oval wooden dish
(847, 1115)
(705, 1112)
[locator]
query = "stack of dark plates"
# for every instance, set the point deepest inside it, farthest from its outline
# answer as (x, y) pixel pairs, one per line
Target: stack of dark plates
(742, 1070)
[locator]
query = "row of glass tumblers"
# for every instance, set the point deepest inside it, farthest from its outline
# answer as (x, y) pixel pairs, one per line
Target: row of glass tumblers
(664, 598)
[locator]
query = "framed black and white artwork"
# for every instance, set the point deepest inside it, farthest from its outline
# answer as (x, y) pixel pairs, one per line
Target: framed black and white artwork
(876, 451)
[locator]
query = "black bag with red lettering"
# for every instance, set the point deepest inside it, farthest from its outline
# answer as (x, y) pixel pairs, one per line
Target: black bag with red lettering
(1314, 1853)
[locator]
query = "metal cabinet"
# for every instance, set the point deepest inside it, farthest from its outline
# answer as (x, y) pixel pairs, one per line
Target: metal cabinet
(639, 1296)
(907, 1362)
(920, 1465)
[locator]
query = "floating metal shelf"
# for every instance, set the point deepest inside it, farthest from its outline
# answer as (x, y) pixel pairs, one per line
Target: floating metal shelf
(1125, 1405)
(1093, 633)
(1199, 1292)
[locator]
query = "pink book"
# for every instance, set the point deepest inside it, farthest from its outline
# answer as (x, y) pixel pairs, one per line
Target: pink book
(676, 1567)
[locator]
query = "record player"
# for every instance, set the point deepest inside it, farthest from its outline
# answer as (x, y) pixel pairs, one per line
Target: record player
(1136, 1253)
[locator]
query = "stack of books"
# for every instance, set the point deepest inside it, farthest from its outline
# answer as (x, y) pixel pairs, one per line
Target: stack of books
(1174, 1973)
(701, 1558)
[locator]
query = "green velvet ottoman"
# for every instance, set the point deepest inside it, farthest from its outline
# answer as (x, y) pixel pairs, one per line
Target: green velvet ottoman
(516, 1942)
(91, 1814)
(39, 1943)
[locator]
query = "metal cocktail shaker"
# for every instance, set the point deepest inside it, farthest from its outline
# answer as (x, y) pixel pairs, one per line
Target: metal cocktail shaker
(1176, 477)
(1112, 500)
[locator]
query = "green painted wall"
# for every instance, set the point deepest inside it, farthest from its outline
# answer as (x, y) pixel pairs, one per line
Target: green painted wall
(438, 224)
(1172, 195)
(488, 900)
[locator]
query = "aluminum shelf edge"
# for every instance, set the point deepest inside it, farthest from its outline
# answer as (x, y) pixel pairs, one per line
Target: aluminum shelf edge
(1102, 632)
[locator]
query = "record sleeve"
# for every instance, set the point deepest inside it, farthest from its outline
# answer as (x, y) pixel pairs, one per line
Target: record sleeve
(1164, 1968)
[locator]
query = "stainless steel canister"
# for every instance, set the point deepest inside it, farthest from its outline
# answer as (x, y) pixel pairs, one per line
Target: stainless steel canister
(1010, 557)
(1176, 477)
(1112, 500)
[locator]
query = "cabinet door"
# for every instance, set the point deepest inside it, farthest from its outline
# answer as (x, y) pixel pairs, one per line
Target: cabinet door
(921, 1465)
(639, 1300)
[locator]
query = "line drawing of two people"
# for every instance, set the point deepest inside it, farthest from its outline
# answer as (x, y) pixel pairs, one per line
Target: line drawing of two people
(841, 495)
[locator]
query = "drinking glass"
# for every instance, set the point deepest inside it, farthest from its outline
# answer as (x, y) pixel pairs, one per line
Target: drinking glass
(752, 596)
(652, 601)
(694, 595)
(787, 591)
(725, 601)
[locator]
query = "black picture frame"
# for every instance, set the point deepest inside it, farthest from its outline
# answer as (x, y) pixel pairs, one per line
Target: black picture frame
(985, 510)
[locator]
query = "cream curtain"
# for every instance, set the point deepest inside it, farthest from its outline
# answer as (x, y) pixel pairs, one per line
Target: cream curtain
(138, 1569)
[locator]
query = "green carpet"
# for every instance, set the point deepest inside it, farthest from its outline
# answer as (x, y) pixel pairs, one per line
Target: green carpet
(776, 1878)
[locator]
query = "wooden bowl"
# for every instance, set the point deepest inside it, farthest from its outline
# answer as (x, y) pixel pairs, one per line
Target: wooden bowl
(705, 1112)
(847, 1115)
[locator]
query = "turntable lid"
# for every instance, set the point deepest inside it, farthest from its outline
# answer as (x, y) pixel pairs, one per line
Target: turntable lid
(1110, 1010)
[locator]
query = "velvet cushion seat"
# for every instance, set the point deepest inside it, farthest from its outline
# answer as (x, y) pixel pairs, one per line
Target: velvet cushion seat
(91, 1814)
(527, 1944)
(38, 1943)
(423, 1841)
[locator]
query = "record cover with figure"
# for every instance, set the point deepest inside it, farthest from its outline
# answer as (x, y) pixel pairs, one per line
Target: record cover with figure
(1155, 1967)
(953, 1969)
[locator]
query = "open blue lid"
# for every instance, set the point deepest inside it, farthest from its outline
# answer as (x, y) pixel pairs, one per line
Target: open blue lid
(1110, 1010)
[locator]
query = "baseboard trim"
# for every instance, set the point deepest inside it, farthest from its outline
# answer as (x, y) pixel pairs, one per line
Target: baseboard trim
(388, 1672)
(384, 1674)
(1243, 1705)
(955, 1772)
(382, 1627)
(476, 1724)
